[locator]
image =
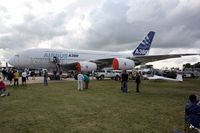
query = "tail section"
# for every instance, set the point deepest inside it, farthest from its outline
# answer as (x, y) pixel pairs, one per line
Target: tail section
(144, 46)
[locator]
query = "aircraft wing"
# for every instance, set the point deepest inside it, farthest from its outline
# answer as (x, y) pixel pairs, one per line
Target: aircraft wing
(140, 59)
(155, 77)
(107, 62)
(150, 58)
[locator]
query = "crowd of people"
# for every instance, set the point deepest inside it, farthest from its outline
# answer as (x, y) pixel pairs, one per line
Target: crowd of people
(13, 76)
(83, 81)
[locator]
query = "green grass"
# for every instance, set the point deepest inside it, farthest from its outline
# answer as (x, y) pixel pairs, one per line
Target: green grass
(59, 107)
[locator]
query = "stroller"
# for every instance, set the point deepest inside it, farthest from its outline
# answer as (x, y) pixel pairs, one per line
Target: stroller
(4, 93)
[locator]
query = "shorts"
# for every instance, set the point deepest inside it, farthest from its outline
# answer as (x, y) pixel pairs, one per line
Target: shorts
(23, 79)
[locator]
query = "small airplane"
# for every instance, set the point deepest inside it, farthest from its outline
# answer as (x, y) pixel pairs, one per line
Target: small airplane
(88, 60)
(179, 77)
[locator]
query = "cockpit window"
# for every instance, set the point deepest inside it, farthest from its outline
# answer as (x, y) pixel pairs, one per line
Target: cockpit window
(16, 55)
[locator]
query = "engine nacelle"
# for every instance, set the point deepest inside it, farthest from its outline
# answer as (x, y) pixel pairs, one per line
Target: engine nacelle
(123, 64)
(85, 66)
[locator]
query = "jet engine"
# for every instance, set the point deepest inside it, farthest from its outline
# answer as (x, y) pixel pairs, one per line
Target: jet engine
(123, 64)
(85, 66)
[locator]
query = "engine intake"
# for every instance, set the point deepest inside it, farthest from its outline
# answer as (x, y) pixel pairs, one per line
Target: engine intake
(123, 64)
(85, 66)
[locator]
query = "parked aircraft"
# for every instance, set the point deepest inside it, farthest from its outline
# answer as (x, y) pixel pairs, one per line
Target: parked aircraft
(179, 77)
(88, 60)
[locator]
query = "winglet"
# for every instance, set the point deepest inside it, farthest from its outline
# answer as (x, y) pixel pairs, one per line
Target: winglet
(144, 46)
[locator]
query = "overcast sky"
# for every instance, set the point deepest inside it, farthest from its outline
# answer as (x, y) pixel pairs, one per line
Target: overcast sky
(113, 25)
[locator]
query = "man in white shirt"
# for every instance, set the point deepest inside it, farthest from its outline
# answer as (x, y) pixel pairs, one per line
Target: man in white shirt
(80, 78)
(24, 78)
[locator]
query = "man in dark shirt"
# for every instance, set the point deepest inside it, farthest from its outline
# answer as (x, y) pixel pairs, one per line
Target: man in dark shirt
(192, 111)
(45, 77)
(124, 80)
(137, 80)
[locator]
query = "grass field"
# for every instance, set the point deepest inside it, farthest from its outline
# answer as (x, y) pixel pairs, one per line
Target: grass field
(59, 107)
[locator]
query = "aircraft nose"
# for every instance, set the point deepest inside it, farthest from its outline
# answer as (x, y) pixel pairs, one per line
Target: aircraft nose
(12, 61)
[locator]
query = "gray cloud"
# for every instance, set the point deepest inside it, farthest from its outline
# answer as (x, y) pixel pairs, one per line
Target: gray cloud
(109, 27)
(116, 23)
(33, 31)
(43, 28)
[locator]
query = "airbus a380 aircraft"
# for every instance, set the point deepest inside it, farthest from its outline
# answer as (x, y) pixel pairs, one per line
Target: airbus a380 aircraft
(87, 60)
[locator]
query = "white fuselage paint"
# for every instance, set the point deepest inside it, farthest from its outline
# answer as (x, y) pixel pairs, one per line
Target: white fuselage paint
(42, 57)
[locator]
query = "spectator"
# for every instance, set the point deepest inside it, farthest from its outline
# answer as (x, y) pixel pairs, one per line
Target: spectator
(33, 75)
(86, 81)
(3, 88)
(124, 80)
(16, 78)
(192, 112)
(27, 73)
(10, 76)
(80, 81)
(24, 75)
(4, 73)
(137, 80)
(45, 77)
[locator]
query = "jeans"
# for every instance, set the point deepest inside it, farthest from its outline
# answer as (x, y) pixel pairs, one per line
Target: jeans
(124, 87)
(45, 81)
(80, 85)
